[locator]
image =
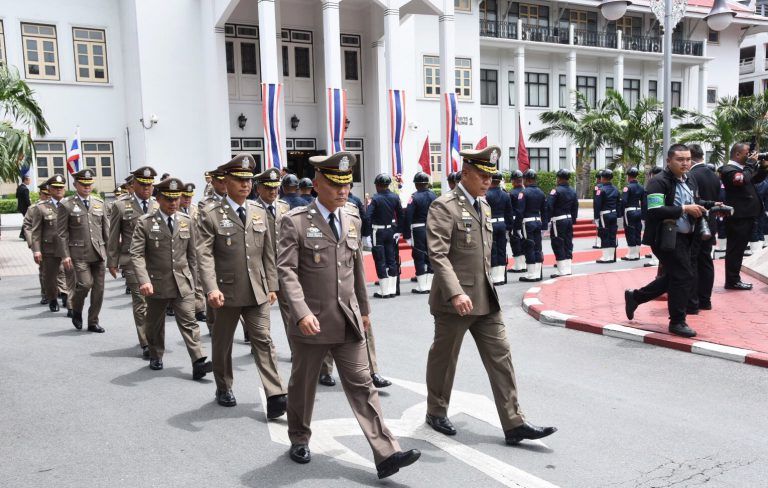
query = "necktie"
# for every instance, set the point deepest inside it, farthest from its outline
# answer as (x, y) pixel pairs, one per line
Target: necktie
(170, 224)
(85, 202)
(144, 206)
(477, 206)
(332, 223)
(241, 213)
(271, 210)
(185, 210)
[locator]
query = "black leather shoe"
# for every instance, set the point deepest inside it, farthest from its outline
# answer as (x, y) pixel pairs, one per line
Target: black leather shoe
(705, 305)
(77, 319)
(517, 270)
(43, 301)
(63, 297)
(53, 305)
(413, 279)
(246, 339)
(630, 304)
(200, 317)
(739, 286)
(300, 453)
(200, 368)
(441, 424)
(419, 292)
(169, 311)
(398, 460)
(691, 311)
(145, 352)
(327, 380)
(276, 406)
(226, 398)
(682, 329)
(95, 328)
(155, 364)
(379, 381)
(527, 431)
(379, 295)
(69, 313)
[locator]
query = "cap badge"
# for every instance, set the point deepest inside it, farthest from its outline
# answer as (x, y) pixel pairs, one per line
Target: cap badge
(58, 179)
(189, 187)
(344, 163)
(147, 173)
(173, 185)
(273, 175)
(494, 157)
(245, 163)
(87, 174)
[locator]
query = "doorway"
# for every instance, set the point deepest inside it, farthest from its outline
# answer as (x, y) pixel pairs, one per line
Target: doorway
(298, 163)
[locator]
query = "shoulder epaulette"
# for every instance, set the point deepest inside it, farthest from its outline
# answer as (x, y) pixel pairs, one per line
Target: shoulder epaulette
(297, 211)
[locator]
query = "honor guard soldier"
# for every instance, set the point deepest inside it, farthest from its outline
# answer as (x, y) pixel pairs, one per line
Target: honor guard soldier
(291, 191)
(532, 207)
(631, 202)
(305, 190)
(502, 218)
(607, 207)
(83, 229)
(122, 220)
(515, 237)
(321, 270)
(186, 207)
(163, 257)
(459, 235)
(598, 185)
(236, 258)
(562, 211)
(415, 231)
(218, 190)
(385, 213)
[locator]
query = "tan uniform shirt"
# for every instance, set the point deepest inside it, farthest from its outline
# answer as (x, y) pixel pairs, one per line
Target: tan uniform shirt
(123, 216)
(82, 232)
(281, 208)
(43, 235)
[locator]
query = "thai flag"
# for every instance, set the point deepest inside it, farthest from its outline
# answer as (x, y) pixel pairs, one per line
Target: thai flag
(482, 143)
(75, 154)
(397, 126)
(337, 117)
(270, 96)
(451, 132)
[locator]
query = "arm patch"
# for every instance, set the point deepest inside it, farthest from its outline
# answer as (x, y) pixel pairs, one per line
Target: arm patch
(655, 200)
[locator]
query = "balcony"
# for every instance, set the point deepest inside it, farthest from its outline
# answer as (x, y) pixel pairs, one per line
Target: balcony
(581, 37)
(746, 66)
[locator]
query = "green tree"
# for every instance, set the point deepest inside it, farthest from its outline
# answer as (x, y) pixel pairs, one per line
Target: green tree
(718, 130)
(750, 117)
(22, 113)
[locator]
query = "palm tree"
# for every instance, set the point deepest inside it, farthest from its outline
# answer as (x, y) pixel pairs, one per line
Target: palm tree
(717, 130)
(18, 104)
(580, 126)
(750, 116)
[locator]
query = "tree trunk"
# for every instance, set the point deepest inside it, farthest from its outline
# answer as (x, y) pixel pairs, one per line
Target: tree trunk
(583, 182)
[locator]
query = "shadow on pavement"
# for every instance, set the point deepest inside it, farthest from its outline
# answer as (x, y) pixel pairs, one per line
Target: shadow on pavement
(211, 412)
(126, 352)
(145, 374)
(70, 331)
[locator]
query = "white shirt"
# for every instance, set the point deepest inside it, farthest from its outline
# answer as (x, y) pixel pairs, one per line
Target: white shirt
(735, 164)
(235, 206)
(165, 217)
(139, 200)
(86, 201)
(54, 202)
(326, 213)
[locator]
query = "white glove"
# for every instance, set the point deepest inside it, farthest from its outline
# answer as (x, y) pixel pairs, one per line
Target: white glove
(367, 242)
(410, 242)
(397, 236)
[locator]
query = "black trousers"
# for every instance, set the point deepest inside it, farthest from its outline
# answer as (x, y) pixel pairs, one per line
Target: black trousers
(676, 278)
(703, 273)
(738, 232)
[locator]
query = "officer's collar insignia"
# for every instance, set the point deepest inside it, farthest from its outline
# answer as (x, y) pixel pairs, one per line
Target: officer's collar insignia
(312, 211)
(344, 164)
(462, 198)
(494, 157)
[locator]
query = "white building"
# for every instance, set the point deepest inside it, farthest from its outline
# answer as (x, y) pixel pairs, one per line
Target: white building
(753, 59)
(110, 66)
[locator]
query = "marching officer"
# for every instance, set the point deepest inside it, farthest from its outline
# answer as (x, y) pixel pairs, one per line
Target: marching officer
(607, 207)
(415, 231)
(291, 191)
(459, 234)
(26, 227)
(598, 186)
(305, 190)
(236, 258)
(532, 208)
(122, 219)
(385, 213)
(186, 207)
(631, 202)
(515, 238)
(320, 265)
(502, 218)
(83, 228)
(218, 189)
(162, 257)
(562, 211)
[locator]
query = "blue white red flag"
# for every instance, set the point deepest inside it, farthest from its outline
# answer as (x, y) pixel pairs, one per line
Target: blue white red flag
(75, 154)
(451, 132)
(270, 96)
(337, 117)
(397, 126)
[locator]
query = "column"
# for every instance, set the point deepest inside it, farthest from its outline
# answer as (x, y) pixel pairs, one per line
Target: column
(618, 73)
(381, 124)
(217, 122)
(268, 34)
(520, 95)
(332, 60)
(703, 81)
(660, 83)
(447, 25)
(571, 81)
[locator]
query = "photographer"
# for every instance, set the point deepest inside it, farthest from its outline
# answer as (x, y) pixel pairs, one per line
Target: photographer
(739, 177)
(673, 208)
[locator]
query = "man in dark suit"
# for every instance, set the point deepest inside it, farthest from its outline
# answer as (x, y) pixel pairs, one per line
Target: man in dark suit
(739, 177)
(22, 200)
(701, 250)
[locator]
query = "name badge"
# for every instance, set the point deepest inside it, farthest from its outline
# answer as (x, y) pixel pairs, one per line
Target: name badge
(76, 209)
(155, 228)
(465, 215)
(314, 233)
(226, 223)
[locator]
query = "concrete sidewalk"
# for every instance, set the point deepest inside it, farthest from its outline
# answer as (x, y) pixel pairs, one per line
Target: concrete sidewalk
(15, 256)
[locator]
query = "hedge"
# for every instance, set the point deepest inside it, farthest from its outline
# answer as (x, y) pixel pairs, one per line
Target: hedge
(8, 202)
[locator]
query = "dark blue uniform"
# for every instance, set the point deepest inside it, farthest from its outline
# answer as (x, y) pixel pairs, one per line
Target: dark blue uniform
(599, 239)
(307, 198)
(758, 228)
(515, 238)
(502, 218)
(363, 216)
(607, 208)
(416, 228)
(386, 217)
(294, 200)
(631, 202)
(532, 206)
(562, 211)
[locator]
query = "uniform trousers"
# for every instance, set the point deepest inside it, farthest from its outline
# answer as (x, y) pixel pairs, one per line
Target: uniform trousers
(363, 397)
(138, 303)
(499, 248)
(55, 279)
(370, 345)
(199, 298)
(419, 252)
(738, 231)
(89, 277)
(561, 239)
(490, 336)
(703, 273)
(516, 244)
(633, 227)
(184, 309)
(532, 242)
(383, 251)
(256, 323)
(610, 227)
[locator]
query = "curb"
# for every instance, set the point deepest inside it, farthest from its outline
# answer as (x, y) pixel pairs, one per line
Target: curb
(533, 305)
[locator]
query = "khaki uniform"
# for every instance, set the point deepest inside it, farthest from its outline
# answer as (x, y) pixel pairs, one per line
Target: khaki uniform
(239, 260)
(192, 212)
(209, 199)
(459, 242)
(42, 237)
(82, 234)
(25, 230)
(123, 215)
(166, 260)
(324, 276)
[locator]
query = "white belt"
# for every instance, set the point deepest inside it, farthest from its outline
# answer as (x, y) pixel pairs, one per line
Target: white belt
(377, 227)
(499, 219)
(630, 209)
(531, 219)
(415, 226)
(560, 217)
(606, 212)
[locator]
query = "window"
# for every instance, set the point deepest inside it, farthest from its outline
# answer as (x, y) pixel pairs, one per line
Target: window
(99, 157)
(711, 96)
(2, 43)
(464, 78)
(539, 158)
(352, 83)
(243, 64)
(677, 93)
(563, 91)
(587, 86)
(41, 58)
(253, 146)
(713, 37)
(49, 158)
(629, 26)
(431, 76)
(581, 19)
(512, 158)
(90, 55)
(463, 5)
(302, 63)
(511, 88)
(608, 84)
(608, 156)
(653, 89)
(533, 15)
(351, 72)
(537, 89)
(298, 65)
(563, 157)
(631, 91)
(436, 158)
(489, 87)
(746, 89)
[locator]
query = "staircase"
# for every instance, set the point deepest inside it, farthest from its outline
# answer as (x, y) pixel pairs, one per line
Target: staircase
(587, 228)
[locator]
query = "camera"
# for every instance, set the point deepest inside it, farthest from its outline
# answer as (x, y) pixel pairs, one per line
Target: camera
(762, 156)
(704, 231)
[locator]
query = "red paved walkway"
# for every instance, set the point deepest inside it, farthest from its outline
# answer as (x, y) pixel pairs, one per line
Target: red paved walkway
(738, 319)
